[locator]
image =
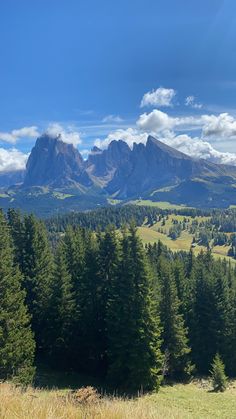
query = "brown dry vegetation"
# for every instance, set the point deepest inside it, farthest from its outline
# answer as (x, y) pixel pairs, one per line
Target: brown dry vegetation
(192, 401)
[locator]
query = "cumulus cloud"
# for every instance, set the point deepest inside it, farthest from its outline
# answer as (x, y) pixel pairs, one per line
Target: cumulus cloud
(216, 127)
(198, 148)
(158, 97)
(129, 135)
(112, 118)
(14, 135)
(156, 121)
(68, 134)
(166, 128)
(191, 102)
(219, 126)
(11, 160)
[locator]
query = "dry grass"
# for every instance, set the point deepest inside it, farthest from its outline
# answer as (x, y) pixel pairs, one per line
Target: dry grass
(39, 404)
(192, 401)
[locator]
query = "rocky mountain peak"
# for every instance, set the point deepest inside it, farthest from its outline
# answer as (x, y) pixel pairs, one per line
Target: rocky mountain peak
(55, 163)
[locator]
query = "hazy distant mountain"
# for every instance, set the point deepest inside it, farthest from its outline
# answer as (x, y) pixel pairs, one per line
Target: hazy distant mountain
(55, 163)
(155, 165)
(57, 177)
(11, 178)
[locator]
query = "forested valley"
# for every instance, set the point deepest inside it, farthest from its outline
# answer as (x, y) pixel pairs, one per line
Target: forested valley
(91, 298)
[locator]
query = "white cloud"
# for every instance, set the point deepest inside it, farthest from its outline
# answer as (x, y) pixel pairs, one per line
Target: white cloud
(164, 127)
(129, 135)
(14, 135)
(191, 102)
(158, 97)
(112, 118)
(215, 127)
(198, 148)
(219, 126)
(67, 134)
(12, 159)
(156, 121)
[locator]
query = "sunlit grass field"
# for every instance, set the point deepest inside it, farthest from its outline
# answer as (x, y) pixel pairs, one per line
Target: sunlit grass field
(158, 204)
(150, 234)
(190, 401)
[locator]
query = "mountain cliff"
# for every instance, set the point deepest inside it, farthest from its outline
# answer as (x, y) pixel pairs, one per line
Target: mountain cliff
(156, 165)
(55, 163)
(151, 171)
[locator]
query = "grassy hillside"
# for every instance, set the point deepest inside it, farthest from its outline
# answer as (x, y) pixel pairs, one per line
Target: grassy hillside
(191, 401)
(151, 234)
(157, 204)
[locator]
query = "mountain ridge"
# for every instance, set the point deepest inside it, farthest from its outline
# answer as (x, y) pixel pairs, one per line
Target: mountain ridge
(149, 171)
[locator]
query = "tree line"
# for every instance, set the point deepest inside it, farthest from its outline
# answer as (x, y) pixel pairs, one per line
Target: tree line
(102, 304)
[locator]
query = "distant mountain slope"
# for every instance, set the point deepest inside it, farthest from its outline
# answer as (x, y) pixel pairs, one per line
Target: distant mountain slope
(58, 178)
(11, 178)
(156, 165)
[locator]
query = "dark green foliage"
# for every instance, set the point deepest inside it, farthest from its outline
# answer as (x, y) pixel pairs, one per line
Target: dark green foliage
(219, 379)
(104, 305)
(117, 216)
(134, 357)
(16, 340)
(63, 309)
(37, 270)
(17, 230)
(175, 341)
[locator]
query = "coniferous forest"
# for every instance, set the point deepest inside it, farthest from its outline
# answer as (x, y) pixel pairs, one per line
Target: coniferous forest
(101, 303)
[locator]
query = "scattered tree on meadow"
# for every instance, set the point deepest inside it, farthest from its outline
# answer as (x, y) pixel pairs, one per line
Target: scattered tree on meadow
(219, 379)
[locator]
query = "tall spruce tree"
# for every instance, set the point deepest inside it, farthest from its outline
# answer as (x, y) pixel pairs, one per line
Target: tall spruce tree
(74, 247)
(108, 263)
(202, 334)
(16, 340)
(37, 271)
(91, 308)
(62, 318)
(175, 340)
(134, 356)
(223, 316)
(17, 231)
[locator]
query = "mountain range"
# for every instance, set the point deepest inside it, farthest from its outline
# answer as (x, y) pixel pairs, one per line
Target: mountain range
(57, 178)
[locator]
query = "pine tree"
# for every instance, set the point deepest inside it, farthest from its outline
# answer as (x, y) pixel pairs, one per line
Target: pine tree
(202, 333)
(134, 356)
(219, 379)
(175, 340)
(108, 262)
(62, 317)
(74, 247)
(16, 340)
(91, 308)
(180, 281)
(37, 272)
(17, 231)
(223, 316)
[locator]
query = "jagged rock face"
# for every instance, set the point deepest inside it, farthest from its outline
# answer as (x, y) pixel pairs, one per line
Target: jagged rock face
(152, 170)
(103, 163)
(55, 163)
(156, 165)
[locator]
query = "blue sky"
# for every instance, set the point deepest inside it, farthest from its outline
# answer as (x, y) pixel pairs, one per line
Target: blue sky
(83, 66)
